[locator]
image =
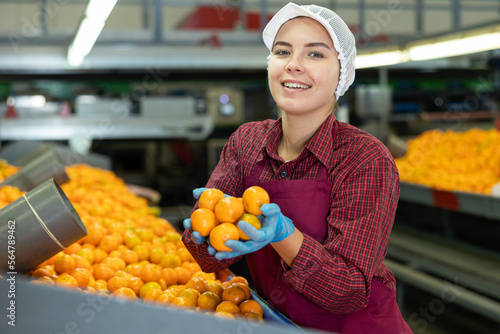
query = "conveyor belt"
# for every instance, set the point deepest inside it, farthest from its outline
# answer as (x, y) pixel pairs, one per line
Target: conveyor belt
(435, 265)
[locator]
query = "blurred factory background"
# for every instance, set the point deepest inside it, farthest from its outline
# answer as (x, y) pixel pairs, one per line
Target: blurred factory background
(167, 82)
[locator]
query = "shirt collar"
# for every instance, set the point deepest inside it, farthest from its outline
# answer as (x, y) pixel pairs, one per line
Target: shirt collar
(321, 144)
(273, 139)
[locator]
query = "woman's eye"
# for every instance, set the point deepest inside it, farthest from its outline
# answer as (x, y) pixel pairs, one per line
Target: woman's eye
(282, 53)
(316, 54)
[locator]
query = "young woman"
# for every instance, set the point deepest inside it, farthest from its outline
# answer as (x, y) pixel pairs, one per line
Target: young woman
(333, 188)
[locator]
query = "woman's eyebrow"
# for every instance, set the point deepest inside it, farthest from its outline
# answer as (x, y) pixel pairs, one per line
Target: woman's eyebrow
(308, 45)
(315, 44)
(283, 44)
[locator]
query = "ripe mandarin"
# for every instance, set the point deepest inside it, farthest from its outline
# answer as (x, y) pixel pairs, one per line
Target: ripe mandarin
(203, 221)
(229, 209)
(252, 220)
(253, 198)
(209, 198)
(222, 233)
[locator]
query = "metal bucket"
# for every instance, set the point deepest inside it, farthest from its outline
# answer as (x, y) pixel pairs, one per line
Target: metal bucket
(37, 226)
(46, 166)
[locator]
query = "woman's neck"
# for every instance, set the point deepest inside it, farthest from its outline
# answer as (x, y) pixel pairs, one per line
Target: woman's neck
(297, 132)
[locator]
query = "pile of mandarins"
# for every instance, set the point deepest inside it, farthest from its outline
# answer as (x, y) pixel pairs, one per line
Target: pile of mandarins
(217, 215)
(454, 161)
(6, 170)
(130, 252)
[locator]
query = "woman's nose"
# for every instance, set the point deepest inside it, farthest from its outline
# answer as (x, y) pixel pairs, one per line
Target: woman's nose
(293, 66)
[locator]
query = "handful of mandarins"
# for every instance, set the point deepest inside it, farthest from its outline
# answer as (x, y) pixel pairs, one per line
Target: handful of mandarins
(217, 215)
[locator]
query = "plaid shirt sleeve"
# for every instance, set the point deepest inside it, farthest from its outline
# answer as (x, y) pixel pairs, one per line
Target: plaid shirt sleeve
(226, 177)
(336, 275)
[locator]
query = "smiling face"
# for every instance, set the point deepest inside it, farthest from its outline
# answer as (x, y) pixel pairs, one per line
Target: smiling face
(304, 68)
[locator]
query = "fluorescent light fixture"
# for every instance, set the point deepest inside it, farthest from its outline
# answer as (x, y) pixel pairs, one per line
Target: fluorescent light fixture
(96, 14)
(454, 46)
(450, 45)
(380, 58)
(99, 10)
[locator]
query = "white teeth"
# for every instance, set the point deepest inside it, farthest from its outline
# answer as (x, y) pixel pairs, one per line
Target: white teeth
(295, 85)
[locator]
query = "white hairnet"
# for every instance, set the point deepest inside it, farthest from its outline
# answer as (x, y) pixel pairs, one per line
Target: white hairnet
(342, 37)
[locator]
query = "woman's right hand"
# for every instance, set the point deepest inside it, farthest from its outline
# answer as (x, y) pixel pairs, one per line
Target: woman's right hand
(196, 237)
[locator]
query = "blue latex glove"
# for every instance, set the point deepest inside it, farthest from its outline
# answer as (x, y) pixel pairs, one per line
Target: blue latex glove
(275, 227)
(196, 236)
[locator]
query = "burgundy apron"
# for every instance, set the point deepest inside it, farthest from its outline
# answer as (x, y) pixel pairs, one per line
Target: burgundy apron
(307, 203)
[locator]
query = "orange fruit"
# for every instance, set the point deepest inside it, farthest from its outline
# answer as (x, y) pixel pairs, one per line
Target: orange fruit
(216, 287)
(209, 301)
(245, 288)
(198, 283)
(169, 276)
(183, 302)
(124, 293)
(234, 293)
(148, 287)
(129, 256)
(99, 255)
(145, 234)
(132, 240)
(134, 269)
(251, 306)
(87, 254)
(151, 273)
(183, 275)
(209, 198)
(64, 264)
(207, 276)
(115, 253)
(81, 262)
(114, 283)
(73, 248)
(253, 198)
(109, 243)
(155, 255)
(227, 306)
(222, 233)
(95, 234)
(135, 283)
(46, 270)
(142, 251)
(170, 260)
(203, 221)
(102, 271)
(223, 314)
(43, 280)
(101, 284)
(165, 298)
(193, 267)
(152, 295)
(82, 276)
(254, 317)
(192, 294)
(184, 254)
(67, 280)
(175, 289)
(123, 273)
(239, 279)
(252, 220)
(115, 263)
(229, 209)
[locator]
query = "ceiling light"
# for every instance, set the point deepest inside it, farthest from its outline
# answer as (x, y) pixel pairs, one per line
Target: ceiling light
(456, 44)
(380, 58)
(89, 30)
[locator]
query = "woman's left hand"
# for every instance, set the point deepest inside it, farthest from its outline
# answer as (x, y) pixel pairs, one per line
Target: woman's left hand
(275, 227)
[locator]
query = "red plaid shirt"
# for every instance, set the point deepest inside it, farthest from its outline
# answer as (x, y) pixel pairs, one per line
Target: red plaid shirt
(337, 273)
